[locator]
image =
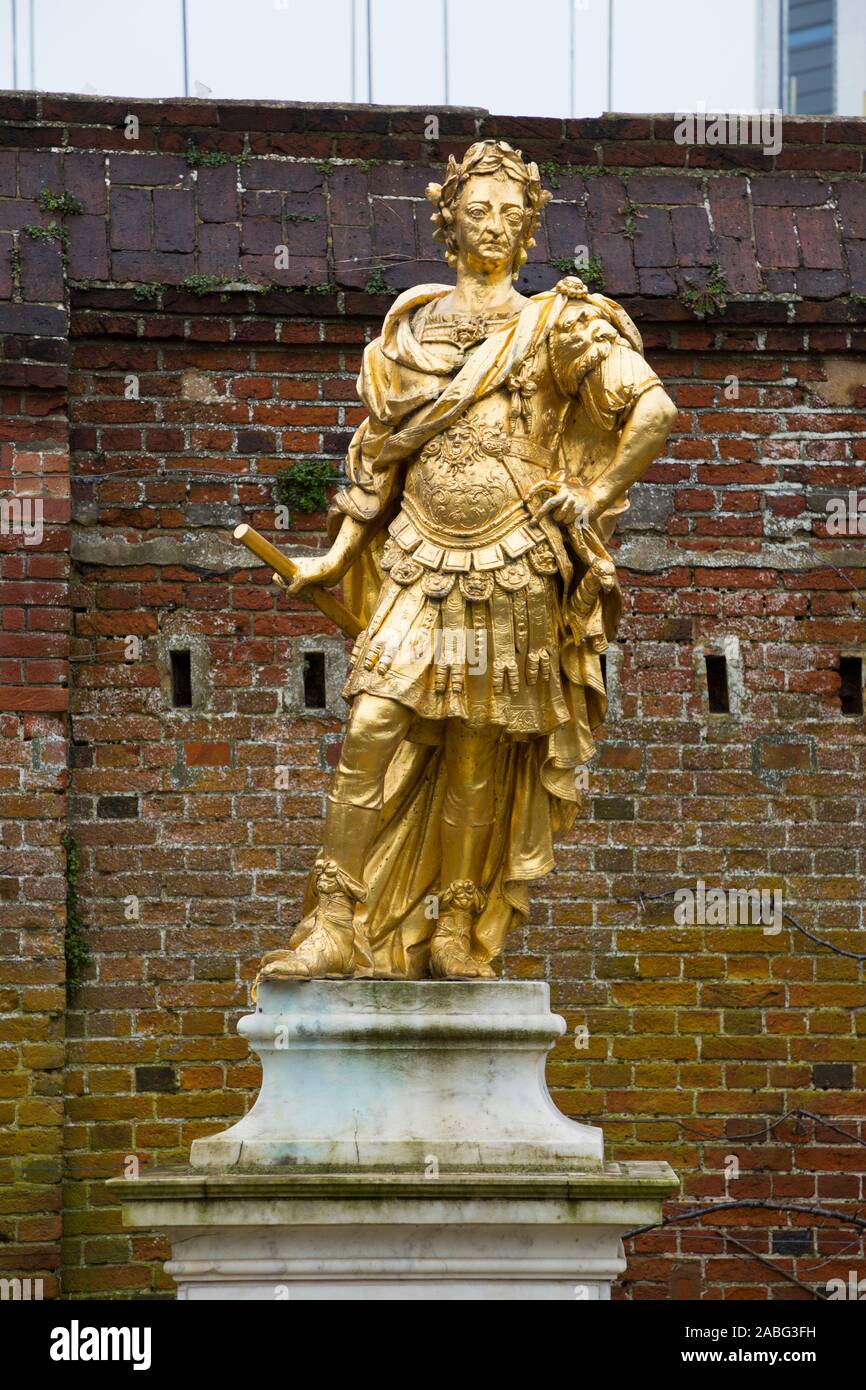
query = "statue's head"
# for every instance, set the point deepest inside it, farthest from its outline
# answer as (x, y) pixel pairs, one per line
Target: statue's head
(487, 209)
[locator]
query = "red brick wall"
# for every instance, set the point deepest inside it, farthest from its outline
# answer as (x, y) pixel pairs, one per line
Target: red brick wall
(179, 807)
(34, 650)
(701, 1039)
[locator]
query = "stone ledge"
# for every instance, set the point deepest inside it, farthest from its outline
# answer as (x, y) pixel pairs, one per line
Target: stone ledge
(615, 1182)
(638, 551)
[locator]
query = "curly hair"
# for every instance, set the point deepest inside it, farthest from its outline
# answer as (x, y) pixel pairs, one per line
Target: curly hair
(487, 157)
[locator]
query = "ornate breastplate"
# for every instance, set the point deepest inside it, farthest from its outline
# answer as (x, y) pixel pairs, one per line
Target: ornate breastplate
(460, 484)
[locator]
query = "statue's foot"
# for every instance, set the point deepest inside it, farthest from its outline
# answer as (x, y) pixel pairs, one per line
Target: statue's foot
(450, 955)
(327, 953)
(449, 962)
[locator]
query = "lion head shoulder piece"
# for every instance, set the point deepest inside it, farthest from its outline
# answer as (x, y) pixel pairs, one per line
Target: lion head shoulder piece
(572, 287)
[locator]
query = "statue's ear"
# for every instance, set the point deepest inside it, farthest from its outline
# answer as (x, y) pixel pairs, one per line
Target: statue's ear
(569, 318)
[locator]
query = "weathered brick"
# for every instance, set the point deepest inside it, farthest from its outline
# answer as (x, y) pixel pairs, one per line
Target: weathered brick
(653, 241)
(173, 219)
(775, 237)
(216, 193)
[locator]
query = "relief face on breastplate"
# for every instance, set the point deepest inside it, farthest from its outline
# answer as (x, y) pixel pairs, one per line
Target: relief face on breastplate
(459, 479)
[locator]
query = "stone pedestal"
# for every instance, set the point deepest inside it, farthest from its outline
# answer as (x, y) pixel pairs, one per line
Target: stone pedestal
(395, 1075)
(403, 1146)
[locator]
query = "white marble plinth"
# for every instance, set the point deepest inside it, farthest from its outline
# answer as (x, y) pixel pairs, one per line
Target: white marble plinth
(403, 1146)
(401, 1075)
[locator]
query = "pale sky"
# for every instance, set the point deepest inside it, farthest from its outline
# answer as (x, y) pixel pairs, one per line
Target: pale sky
(511, 56)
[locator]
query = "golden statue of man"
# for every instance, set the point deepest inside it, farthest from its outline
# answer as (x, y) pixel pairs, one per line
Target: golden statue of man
(502, 436)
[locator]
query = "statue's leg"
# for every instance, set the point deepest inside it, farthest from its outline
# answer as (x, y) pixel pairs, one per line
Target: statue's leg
(376, 728)
(467, 820)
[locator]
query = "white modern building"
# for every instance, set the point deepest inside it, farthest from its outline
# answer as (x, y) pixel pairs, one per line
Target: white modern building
(812, 56)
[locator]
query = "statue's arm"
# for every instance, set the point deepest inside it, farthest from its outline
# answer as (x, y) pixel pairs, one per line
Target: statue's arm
(326, 568)
(367, 496)
(620, 393)
(642, 438)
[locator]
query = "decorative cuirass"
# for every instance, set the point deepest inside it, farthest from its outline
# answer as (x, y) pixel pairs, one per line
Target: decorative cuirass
(460, 484)
(467, 491)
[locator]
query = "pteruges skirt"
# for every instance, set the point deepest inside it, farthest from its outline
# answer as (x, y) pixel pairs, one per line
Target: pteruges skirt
(478, 646)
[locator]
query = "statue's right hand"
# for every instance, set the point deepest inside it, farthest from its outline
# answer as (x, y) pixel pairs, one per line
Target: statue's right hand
(315, 572)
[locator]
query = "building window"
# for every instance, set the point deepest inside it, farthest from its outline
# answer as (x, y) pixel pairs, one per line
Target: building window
(851, 684)
(315, 690)
(808, 47)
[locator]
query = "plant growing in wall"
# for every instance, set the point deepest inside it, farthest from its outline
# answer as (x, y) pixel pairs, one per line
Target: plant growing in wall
(711, 298)
(304, 486)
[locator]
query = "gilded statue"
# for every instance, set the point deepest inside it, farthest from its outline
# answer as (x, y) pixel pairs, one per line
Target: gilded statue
(502, 435)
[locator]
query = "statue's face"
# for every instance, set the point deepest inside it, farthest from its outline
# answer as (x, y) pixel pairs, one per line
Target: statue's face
(488, 222)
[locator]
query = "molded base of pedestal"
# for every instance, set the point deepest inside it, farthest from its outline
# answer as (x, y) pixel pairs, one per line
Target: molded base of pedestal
(465, 1237)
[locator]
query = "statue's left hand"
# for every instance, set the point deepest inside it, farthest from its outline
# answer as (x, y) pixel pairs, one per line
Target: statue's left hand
(570, 505)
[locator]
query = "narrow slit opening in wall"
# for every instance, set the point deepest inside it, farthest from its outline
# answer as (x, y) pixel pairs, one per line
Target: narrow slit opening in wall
(717, 684)
(851, 684)
(314, 680)
(181, 679)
